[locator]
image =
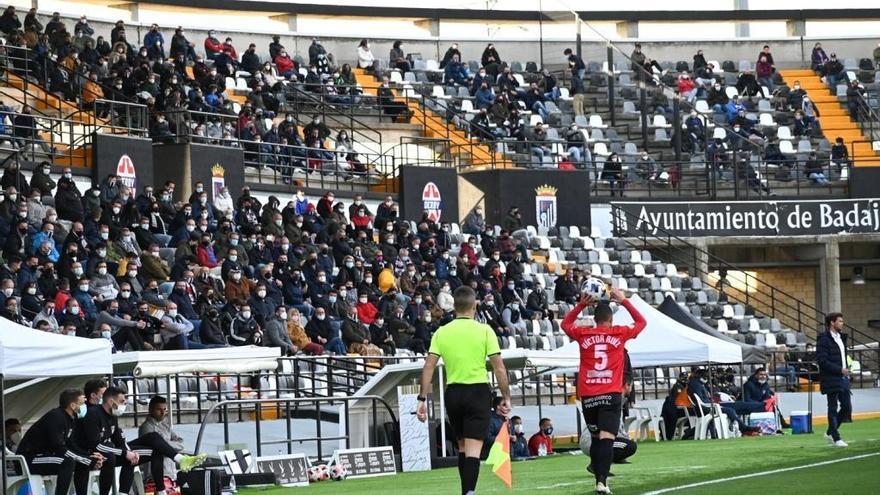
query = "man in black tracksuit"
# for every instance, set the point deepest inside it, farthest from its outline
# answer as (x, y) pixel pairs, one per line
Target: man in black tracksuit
(99, 430)
(50, 447)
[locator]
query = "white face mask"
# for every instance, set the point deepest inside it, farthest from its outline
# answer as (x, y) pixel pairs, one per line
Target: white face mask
(261, 293)
(428, 319)
(84, 287)
(245, 314)
(126, 294)
(233, 257)
(236, 276)
(31, 290)
(363, 300)
(119, 410)
(320, 317)
(102, 271)
(106, 334)
(172, 313)
(78, 271)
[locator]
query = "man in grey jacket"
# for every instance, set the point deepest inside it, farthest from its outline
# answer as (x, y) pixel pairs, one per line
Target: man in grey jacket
(123, 330)
(276, 332)
(176, 330)
(156, 423)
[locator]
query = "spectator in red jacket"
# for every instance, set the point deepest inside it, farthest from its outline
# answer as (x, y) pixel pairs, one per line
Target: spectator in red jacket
(687, 88)
(361, 221)
(205, 255)
(285, 66)
(213, 46)
(541, 443)
(366, 311)
(764, 72)
(230, 49)
(468, 250)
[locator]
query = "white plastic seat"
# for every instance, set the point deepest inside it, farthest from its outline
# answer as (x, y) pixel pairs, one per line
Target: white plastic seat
(766, 120)
(395, 77)
(660, 121)
(596, 122)
(468, 106)
(639, 270)
(786, 148)
(783, 133)
(601, 149)
(719, 133)
(438, 92)
(722, 326)
(671, 270)
(731, 91)
(728, 311)
(702, 106)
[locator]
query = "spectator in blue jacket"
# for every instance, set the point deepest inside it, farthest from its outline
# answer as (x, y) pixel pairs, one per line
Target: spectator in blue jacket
(484, 97)
(154, 40)
(733, 107)
(455, 72)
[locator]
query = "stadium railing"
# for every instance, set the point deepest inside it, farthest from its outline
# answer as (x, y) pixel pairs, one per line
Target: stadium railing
(286, 408)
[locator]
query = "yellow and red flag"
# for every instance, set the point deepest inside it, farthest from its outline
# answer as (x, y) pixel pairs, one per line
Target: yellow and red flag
(499, 456)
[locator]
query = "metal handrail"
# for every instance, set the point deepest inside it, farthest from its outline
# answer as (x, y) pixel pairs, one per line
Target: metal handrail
(299, 400)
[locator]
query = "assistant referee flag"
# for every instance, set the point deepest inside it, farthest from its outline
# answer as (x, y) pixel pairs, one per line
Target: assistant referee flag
(499, 456)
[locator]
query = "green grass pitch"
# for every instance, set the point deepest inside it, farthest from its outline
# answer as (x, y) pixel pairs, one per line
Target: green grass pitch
(665, 465)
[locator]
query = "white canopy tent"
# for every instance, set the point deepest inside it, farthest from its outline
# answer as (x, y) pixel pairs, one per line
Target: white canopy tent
(231, 360)
(54, 362)
(663, 342)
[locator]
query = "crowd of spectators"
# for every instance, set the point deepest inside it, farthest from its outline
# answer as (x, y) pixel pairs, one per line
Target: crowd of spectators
(186, 94)
(150, 269)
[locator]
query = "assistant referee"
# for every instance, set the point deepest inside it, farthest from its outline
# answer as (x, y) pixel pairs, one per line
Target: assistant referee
(464, 344)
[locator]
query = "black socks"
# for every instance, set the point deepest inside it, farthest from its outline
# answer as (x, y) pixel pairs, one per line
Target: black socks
(470, 471)
(603, 454)
(461, 459)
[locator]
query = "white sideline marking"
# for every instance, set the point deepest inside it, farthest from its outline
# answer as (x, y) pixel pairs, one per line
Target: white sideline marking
(762, 473)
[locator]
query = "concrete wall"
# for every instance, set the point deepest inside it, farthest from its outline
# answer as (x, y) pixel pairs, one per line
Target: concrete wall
(861, 303)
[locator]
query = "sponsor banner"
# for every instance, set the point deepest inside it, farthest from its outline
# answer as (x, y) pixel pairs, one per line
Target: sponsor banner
(131, 159)
(431, 191)
(747, 218)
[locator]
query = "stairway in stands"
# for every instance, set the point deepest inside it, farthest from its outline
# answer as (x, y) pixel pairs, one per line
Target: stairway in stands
(73, 143)
(834, 117)
(468, 149)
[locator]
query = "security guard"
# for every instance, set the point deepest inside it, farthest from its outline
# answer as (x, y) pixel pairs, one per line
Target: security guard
(464, 344)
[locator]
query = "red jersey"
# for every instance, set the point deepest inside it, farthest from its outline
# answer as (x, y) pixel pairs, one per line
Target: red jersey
(602, 351)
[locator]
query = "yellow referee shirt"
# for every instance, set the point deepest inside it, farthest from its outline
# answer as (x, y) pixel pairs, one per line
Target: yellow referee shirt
(464, 344)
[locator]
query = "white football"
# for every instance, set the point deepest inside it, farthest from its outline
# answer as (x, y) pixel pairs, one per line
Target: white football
(338, 473)
(595, 288)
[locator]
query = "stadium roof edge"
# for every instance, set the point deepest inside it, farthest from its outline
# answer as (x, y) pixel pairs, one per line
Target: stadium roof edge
(527, 15)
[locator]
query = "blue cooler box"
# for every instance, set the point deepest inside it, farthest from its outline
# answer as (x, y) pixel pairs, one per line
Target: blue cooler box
(800, 422)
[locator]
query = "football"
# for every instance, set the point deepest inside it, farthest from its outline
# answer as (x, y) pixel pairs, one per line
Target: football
(594, 288)
(318, 473)
(338, 473)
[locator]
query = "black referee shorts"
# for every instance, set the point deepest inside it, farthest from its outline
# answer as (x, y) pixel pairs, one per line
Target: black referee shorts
(602, 412)
(467, 407)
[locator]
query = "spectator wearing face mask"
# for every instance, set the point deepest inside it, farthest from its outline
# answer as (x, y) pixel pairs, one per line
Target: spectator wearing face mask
(122, 329)
(322, 333)
(381, 337)
(496, 422)
(277, 333)
(541, 443)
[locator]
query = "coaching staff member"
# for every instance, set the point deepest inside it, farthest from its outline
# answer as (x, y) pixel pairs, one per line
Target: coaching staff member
(834, 376)
(99, 430)
(50, 448)
(600, 378)
(464, 344)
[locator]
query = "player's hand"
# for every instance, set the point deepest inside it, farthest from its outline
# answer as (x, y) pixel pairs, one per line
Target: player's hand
(586, 300)
(617, 295)
(132, 457)
(504, 408)
(422, 411)
(845, 371)
(97, 456)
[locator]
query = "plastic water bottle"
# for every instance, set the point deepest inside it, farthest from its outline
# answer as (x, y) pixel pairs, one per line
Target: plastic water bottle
(542, 450)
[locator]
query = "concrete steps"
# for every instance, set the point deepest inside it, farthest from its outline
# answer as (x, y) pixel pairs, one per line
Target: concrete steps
(434, 126)
(834, 118)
